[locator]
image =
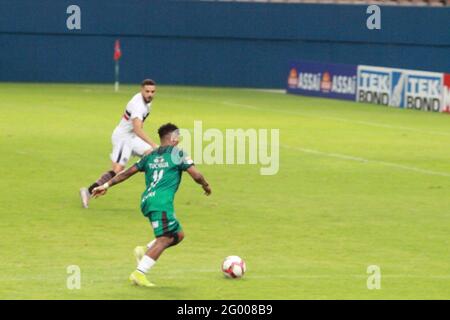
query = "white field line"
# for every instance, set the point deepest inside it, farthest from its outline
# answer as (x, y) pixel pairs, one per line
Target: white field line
(239, 105)
(353, 158)
(279, 91)
(247, 106)
(364, 160)
(343, 156)
(367, 123)
(360, 122)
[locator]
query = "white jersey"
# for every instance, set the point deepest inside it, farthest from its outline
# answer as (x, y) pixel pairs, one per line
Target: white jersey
(136, 108)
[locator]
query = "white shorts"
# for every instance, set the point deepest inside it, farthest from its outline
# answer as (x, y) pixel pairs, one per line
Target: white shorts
(127, 145)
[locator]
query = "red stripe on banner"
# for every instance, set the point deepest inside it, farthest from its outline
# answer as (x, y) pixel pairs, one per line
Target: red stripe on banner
(446, 93)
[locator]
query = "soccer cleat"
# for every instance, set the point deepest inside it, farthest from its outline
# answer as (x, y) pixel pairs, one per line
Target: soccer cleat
(139, 252)
(139, 279)
(85, 196)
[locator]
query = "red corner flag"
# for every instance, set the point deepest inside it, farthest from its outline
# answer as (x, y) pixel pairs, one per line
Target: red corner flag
(117, 52)
(117, 55)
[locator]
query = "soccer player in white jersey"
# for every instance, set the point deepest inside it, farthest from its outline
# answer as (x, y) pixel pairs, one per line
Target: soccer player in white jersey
(128, 138)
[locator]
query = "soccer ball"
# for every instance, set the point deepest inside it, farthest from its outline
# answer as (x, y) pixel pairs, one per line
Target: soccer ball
(233, 267)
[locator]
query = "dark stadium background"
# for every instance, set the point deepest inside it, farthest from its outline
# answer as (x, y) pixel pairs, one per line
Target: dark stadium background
(214, 43)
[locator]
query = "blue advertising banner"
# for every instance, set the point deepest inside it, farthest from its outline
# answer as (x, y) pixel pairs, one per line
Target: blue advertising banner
(424, 91)
(327, 80)
(376, 85)
(401, 88)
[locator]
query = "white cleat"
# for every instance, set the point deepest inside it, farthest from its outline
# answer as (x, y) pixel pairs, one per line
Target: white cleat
(85, 196)
(139, 252)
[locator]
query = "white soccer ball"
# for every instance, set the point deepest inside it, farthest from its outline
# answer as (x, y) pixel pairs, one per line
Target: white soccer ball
(233, 267)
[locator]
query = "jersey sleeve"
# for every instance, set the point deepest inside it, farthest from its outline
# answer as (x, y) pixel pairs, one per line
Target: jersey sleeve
(185, 161)
(140, 165)
(136, 111)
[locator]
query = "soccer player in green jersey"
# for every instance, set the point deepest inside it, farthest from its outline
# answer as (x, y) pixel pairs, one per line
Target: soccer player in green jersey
(163, 168)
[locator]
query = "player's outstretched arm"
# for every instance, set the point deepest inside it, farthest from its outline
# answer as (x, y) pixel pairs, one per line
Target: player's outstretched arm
(137, 128)
(198, 177)
(122, 176)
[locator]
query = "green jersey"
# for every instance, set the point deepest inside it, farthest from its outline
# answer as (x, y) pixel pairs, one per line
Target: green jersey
(163, 168)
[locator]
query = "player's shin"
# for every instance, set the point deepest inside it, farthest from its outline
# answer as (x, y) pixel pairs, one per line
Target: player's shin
(104, 178)
(151, 243)
(145, 264)
(139, 251)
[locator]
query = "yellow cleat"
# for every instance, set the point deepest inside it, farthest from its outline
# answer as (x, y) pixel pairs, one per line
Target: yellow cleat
(139, 252)
(139, 279)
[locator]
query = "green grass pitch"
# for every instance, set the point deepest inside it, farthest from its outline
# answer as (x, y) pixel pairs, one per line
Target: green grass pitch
(358, 185)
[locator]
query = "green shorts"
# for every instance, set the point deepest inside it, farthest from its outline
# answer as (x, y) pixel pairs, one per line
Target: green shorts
(164, 223)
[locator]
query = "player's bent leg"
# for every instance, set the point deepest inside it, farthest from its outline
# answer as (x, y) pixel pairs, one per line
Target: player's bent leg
(161, 244)
(85, 193)
(153, 253)
(140, 147)
(177, 238)
(149, 260)
(168, 233)
(119, 157)
(139, 252)
(105, 177)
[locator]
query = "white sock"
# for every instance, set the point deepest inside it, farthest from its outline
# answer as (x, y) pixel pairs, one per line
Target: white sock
(145, 264)
(151, 243)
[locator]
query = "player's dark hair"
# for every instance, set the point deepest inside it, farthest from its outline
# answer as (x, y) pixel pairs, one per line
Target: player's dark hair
(166, 129)
(148, 82)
